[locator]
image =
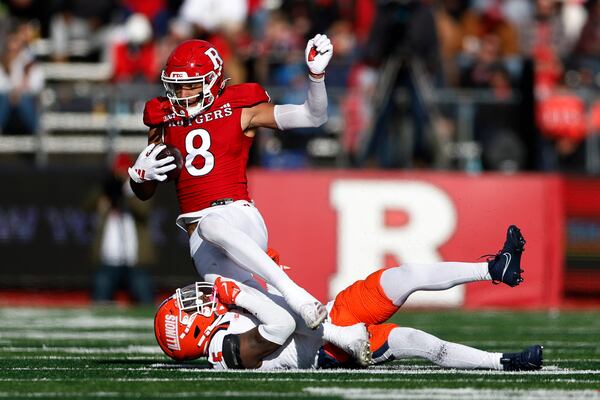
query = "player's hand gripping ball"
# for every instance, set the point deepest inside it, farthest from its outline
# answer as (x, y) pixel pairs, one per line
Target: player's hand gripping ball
(178, 161)
(148, 167)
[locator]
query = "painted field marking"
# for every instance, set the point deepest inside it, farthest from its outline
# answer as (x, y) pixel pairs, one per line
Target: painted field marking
(467, 393)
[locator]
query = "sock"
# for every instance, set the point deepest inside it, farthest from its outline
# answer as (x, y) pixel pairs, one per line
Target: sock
(408, 342)
(399, 282)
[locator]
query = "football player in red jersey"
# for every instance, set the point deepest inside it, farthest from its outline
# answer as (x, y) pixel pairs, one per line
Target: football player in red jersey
(213, 125)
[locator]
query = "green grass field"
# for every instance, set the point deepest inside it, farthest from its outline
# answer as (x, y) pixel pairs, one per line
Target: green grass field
(110, 353)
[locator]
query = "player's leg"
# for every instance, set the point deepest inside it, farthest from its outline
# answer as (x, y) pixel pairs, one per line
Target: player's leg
(361, 302)
(210, 262)
(141, 285)
(408, 342)
(105, 283)
(239, 231)
(398, 283)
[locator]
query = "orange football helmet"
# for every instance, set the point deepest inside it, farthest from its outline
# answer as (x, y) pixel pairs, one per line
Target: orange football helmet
(184, 322)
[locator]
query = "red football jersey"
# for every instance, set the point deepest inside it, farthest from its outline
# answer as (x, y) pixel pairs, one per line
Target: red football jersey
(214, 148)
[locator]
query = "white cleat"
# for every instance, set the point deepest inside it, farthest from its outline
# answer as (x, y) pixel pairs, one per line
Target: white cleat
(362, 353)
(313, 314)
(359, 346)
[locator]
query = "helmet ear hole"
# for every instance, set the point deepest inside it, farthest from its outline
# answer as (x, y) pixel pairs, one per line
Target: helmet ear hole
(196, 332)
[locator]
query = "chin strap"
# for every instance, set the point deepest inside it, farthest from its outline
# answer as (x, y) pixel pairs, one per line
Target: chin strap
(223, 84)
(203, 342)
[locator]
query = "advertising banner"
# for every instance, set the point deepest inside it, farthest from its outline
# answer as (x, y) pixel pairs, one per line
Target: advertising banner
(331, 228)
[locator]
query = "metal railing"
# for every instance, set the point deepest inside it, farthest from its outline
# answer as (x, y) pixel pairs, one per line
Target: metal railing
(94, 117)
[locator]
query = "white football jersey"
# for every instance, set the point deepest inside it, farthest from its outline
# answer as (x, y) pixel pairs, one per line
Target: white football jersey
(299, 351)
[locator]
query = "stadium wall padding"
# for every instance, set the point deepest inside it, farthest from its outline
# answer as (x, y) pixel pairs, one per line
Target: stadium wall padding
(331, 228)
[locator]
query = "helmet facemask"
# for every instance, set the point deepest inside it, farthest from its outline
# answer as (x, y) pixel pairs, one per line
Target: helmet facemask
(196, 299)
(204, 99)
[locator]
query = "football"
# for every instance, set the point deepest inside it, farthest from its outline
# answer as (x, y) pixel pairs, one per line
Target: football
(172, 151)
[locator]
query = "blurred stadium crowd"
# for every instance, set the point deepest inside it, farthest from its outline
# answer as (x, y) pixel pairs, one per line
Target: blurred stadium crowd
(447, 84)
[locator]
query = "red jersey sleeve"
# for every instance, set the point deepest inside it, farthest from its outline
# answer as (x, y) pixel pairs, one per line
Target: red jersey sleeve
(158, 111)
(245, 95)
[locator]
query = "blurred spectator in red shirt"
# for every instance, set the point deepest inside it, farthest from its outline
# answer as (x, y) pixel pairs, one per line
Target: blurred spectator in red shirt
(561, 119)
(363, 19)
(134, 58)
(594, 118)
(356, 109)
(562, 116)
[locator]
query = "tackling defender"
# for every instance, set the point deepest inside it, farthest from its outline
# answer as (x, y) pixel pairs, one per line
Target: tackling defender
(225, 331)
(213, 125)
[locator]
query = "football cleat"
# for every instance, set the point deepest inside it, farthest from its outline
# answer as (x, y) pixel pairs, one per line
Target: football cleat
(360, 347)
(313, 314)
(505, 266)
(528, 360)
(362, 353)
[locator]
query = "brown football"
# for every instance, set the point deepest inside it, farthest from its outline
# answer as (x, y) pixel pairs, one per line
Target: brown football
(172, 151)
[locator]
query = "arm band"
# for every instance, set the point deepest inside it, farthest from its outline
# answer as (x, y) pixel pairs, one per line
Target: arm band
(231, 352)
(312, 113)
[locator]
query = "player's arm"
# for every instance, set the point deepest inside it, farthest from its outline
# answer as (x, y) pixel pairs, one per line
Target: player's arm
(313, 112)
(146, 189)
(248, 349)
(147, 171)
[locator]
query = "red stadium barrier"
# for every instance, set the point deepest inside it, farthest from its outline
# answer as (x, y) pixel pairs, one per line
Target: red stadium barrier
(582, 252)
(335, 227)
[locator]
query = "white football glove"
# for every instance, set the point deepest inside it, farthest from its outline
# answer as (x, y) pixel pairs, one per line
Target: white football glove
(318, 53)
(148, 168)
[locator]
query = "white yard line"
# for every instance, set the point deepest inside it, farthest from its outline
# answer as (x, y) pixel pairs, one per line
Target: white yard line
(392, 369)
(89, 358)
(438, 394)
(150, 349)
(344, 393)
(137, 395)
(436, 382)
(110, 335)
(376, 375)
